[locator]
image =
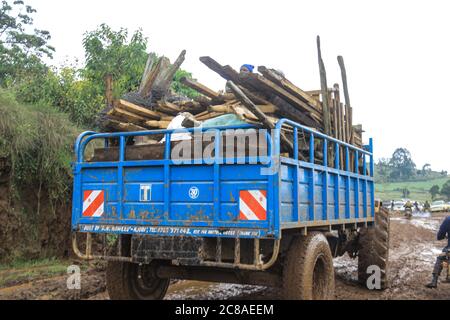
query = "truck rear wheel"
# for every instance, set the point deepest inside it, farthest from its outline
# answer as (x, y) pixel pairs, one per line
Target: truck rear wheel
(374, 249)
(131, 281)
(308, 273)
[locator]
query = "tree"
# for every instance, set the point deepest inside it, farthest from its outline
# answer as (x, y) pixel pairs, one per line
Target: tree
(445, 190)
(403, 167)
(112, 52)
(426, 169)
(434, 191)
(21, 47)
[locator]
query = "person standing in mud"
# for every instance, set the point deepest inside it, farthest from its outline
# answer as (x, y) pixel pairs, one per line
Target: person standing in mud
(444, 232)
(426, 206)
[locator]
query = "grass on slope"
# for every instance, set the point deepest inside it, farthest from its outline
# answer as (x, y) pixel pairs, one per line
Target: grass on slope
(419, 190)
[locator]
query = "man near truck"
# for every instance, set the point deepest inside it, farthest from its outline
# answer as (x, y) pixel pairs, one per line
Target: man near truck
(444, 232)
(247, 68)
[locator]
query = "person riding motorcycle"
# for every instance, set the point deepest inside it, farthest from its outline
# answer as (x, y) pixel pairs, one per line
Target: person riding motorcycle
(408, 208)
(443, 259)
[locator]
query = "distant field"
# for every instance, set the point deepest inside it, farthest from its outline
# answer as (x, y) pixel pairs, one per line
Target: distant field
(418, 189)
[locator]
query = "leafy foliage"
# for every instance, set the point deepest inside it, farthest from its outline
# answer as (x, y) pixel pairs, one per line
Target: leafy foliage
(37, 141)
(109, 52)
(402, 164)
(445, 190)
(21, 47)
(434, 191)
(80, 92)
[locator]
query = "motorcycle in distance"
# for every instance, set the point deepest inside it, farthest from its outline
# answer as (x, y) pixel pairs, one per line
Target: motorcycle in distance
(408, 213)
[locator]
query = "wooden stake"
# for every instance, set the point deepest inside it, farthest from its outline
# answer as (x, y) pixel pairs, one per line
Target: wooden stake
(324, 87)
(344, 80)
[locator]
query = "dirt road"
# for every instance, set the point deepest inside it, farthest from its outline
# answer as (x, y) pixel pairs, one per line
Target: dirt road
(413, 251)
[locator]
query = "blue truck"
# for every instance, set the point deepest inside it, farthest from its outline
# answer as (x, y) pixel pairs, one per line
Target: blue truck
(271, 218)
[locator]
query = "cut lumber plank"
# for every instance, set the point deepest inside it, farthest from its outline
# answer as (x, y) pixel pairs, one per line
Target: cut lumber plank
(148, 68)
(209, 115)
(127, 116)
(227, 72)
(203, 101)
(157, 124)
(255, 97)
(269, 108)
(168, 108)
(263, 84)
(138, 110)
(151, 77)
(278, 79)
(200, 88)
(260, 115)
(121, 126)
(166, 75)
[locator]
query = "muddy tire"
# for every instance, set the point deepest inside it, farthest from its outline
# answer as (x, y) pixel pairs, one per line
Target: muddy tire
(374, 249)
(131, 281)
(308, 272)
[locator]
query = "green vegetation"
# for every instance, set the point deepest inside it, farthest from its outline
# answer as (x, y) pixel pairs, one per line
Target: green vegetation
(418, 190)
(21, 46)
(401, 167)
(42, 110)
(445, 190)
(37, 141)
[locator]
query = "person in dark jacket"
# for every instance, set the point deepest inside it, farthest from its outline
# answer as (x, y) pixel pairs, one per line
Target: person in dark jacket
(444, 232)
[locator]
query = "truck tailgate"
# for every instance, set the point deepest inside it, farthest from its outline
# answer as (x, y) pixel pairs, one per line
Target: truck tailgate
(197, 200)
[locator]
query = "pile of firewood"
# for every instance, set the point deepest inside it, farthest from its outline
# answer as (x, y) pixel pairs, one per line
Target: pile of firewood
(258, 98)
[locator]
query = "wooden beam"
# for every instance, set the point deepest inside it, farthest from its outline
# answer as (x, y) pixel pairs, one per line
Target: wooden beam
(148, 68)
(167, 107)
(324, 87)
(255, 97)
(151, 77)
(122, 126)
(200, 88)
(290, 87)
(165, 77)
(344, 80)
(138, 110)
(158, 124)
(255, 110)
(226, 72)
(263, 84)
(126, 116)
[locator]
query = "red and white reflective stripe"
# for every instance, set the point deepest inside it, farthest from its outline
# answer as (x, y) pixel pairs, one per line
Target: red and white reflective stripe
(253, 205)
(93, 203)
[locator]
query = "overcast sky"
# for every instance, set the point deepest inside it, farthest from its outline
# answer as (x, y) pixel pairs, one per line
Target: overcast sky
(397, 53)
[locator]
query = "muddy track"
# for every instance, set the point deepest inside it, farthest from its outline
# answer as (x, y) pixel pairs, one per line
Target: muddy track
(412, 254)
